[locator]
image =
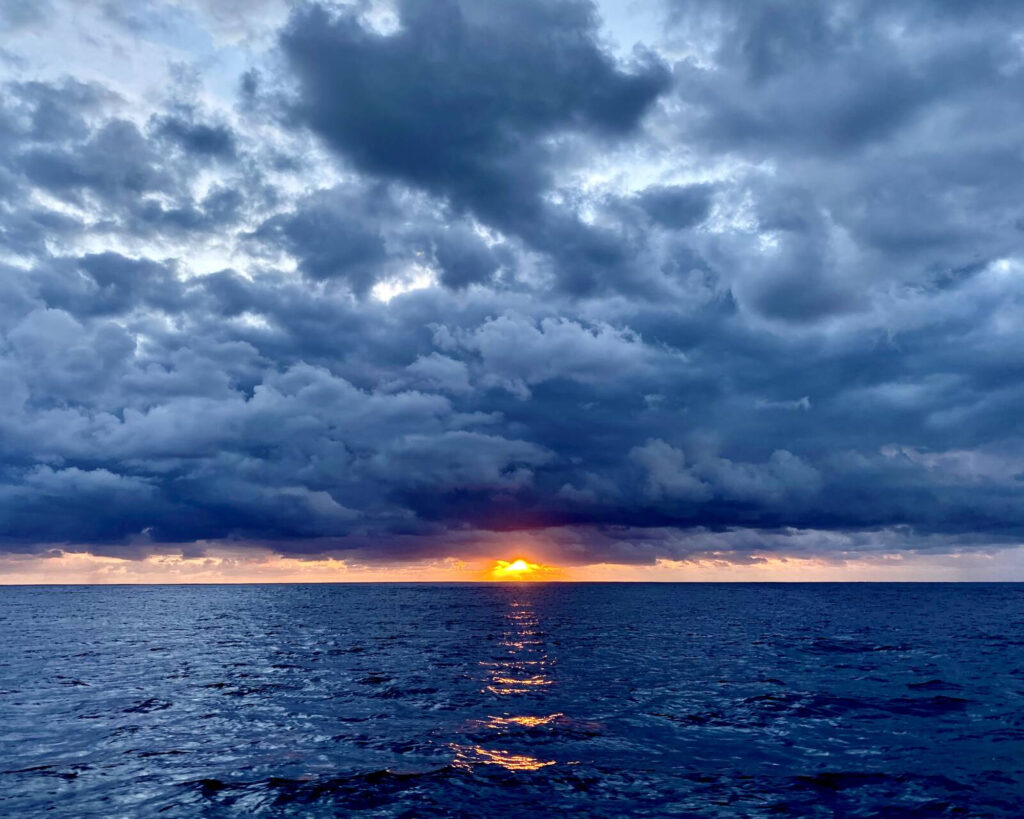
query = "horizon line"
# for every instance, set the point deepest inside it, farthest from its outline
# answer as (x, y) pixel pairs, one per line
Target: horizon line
(513, 583)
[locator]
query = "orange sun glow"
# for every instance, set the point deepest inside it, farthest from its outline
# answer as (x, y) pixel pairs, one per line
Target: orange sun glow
(516, 569)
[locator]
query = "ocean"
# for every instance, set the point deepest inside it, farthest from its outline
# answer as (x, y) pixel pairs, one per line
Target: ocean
(520, 699)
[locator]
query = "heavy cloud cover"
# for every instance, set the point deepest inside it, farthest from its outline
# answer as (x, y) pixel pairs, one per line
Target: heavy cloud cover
(391, 278)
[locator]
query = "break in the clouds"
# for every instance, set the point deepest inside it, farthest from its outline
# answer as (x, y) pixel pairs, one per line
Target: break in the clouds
(651, 279)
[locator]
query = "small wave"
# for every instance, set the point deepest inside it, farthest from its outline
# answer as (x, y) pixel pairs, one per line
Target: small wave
(375, 679)
(393, 692)
(71, 772)
(928, 706)
(235, 690)
(361, 791)
(842, 645)
(842, 780)
(147, 706)
(824, 706)
(934, 685)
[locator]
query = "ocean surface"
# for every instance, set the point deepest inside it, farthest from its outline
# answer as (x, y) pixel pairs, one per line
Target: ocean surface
(513, 700)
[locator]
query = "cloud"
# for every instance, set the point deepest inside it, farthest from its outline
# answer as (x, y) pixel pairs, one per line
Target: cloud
(464, 259)
(334, 236)
(676, 206)
(517, 352)
(753, 290)
(877, 171)
(666, 474)
(463, 101)
(197, 138)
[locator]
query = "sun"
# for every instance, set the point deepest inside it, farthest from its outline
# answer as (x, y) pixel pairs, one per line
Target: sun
(515, 569)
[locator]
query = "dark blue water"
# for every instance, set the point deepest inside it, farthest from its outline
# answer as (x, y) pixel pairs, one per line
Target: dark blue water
(512, 700)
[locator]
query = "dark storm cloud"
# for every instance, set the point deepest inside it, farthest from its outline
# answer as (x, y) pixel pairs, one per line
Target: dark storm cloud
(464, 259)
(461, 97)
(835, 77)
(66, 140)
(116, 162)
(108, 284)
(677, 206)
(891, 131)
(793, 329)
(197, 137)
(57, 112)
(462, 100)
(337, 234)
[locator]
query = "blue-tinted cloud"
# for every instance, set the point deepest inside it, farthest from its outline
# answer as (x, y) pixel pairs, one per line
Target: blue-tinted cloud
(391, 284)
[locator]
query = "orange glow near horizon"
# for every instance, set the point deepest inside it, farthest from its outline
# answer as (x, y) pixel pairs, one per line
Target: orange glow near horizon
(231, 563)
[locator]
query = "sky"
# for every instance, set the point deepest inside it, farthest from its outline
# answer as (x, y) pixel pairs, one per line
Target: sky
(634, 289)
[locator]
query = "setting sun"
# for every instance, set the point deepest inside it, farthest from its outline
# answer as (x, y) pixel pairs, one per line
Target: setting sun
(517, 569)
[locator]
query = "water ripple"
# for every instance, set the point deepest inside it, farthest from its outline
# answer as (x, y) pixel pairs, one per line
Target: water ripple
(533, 699)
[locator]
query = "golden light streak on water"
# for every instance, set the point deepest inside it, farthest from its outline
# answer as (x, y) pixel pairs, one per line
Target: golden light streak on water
(499, 723)
(469, 756)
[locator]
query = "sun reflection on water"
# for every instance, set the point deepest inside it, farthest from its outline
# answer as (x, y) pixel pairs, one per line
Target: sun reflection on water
(503, 723)
(524, 671)
(469, 756)
(516, 685)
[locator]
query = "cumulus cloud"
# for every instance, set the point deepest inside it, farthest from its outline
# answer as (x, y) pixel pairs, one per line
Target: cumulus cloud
(754, 288)
(464, 99)
(516, 352)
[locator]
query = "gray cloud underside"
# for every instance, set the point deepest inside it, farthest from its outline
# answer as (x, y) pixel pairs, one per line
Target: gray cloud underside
(808, 319)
